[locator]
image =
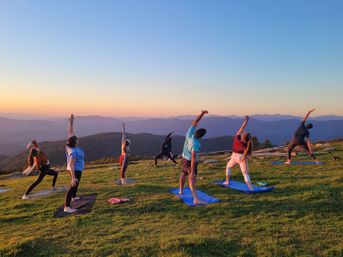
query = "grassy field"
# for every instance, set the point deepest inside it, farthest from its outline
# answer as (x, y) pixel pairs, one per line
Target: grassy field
(301, 217)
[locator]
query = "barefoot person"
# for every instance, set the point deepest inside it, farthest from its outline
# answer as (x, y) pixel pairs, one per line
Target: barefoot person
(124, 157)
(302, 138)
(37, 159)
(75, 164)
(240, 150)
(190, 154)
(166, 149)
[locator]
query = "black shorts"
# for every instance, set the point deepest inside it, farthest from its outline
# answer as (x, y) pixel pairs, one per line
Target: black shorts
(186, 167)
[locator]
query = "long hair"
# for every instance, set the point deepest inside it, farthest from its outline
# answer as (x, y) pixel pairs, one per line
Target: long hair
(248, 140)
(30, 159)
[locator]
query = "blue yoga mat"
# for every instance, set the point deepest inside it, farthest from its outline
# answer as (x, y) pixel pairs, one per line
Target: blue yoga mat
(243, 187)
(188, 198)
(297, 163)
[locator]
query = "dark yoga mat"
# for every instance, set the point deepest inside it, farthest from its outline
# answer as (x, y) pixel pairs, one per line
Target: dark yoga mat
(84, 205)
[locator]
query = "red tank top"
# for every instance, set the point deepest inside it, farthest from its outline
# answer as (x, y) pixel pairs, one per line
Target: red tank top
(238, 145)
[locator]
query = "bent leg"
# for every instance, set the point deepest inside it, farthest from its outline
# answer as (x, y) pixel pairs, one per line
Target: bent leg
(38, 180)
(158, 157)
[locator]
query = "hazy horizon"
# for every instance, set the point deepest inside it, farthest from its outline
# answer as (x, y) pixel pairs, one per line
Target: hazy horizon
(158, 58)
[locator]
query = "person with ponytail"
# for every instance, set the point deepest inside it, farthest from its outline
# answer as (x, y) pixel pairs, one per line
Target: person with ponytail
(75, 165)
(242, 147)
(124, 157)
(37, 159)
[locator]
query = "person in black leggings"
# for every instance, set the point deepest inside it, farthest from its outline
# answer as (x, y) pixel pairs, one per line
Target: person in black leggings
(302, 138)
(75, 165)
(38, 159)
(166, 149)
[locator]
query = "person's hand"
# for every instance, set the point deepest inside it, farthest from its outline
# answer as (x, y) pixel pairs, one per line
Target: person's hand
(246, 117)
(204, 112)
(73, 182)
(72, 118)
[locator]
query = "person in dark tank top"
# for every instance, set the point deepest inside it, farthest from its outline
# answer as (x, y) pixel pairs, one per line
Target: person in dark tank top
(301, 138)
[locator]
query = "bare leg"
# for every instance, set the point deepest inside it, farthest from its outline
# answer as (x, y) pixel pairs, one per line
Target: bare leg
(245, 171)
(229, 166)
(182, 182)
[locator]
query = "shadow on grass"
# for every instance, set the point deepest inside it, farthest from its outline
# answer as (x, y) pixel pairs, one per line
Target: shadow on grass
(207, 247)
(35, 247)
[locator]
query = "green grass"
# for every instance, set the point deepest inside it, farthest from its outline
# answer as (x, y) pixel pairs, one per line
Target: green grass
(301, 217)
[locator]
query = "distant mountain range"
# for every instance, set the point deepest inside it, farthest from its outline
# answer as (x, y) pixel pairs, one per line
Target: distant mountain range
(107, 145)
(15, 134)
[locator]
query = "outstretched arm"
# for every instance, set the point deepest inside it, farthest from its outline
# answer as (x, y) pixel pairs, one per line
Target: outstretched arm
(245, 122)
(308, 114)
(196, 121)
(168, 136)
(71, 126)
(123, 138)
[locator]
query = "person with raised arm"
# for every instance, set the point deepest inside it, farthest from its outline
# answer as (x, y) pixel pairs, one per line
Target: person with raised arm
(38, 159)
(166, 149)
(75, 165)
(124, 157)
(302, 138)
(242, 146)
(190, 157)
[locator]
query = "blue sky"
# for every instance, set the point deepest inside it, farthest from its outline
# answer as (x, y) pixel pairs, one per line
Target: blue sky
(160, 58)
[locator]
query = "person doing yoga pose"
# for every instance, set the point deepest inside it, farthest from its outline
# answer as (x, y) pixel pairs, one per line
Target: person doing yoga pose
(75, 165)
(302, 138)
(166, 149)
(124, 157)
(190, 157)
(37, 159)
(241, 148)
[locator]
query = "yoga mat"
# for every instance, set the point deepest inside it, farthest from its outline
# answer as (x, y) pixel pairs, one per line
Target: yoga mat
(84, 205)
(297, 163)
(3, 190)
(128, 181)
(243, 187)
(188, 198)
(46, 193)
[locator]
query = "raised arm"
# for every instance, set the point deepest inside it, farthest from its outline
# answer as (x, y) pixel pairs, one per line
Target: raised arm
(196, 121)
(123, 137)
(169, 135)
(245, 122)
(71, 126)
(308, 114)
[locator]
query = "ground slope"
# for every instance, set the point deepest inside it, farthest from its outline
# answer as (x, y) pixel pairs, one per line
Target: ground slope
(301, 217)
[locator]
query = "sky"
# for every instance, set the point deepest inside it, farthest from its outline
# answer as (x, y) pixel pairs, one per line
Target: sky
(165, 58)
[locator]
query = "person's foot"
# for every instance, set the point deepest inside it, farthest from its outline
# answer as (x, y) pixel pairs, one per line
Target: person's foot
(69, 210)
(317, 162)
(180, 192)
(226, 182)
(288, 162)
(53, 188)
(25, 197)
(123, 181)
(199, 202)
(75, 198)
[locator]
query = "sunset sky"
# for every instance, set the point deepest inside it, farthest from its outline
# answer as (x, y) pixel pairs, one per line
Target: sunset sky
(162, 58)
